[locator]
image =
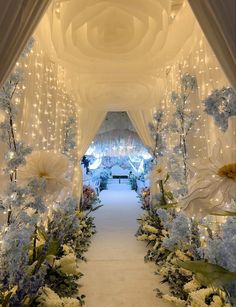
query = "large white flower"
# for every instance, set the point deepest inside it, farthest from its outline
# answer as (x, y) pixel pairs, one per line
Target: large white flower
(68, 264)
(46, 165)
(159, 171)
(48, 298)
(214, 182)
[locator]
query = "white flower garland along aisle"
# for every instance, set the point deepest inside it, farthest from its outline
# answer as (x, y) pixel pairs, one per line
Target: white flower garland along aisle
(195, 256)
(42, 239)
(179, 246)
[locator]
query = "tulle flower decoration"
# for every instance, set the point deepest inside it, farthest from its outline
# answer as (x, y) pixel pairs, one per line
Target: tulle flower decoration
(221, 104)
(48, 166)
(213, 184)
(159, 171)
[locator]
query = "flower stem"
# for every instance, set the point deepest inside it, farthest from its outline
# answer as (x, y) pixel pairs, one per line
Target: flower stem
(35, 244)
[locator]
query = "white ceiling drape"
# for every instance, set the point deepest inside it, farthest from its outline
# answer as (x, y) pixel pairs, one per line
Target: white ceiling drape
(114, 49)
(218, 22)
(18, 20)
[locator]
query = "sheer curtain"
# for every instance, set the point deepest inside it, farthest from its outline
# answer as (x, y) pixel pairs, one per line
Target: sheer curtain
(88, 124)
(18, 20)
(140, 120)
(218, 22)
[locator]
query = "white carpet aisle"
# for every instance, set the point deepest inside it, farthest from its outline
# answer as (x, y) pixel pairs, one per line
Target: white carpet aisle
(115, 274)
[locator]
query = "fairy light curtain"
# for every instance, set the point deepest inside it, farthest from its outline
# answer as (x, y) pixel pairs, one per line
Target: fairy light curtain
(218, 22)
(45, 103)
(202, 63)
(18, 20)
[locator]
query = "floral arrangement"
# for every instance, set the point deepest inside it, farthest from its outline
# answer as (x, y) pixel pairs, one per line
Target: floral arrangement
(133, 182)
(44, 234)
(181, 123)
(175, 243)
(157, 130)
(89, 198)
(197, 262)
(221, 104)
(145, 199)
(104, 176)
(194, 252)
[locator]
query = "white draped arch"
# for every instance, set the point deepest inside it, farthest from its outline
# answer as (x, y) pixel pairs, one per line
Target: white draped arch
(91, 57)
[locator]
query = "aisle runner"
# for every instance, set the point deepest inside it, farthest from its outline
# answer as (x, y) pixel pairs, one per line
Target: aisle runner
(115, 274)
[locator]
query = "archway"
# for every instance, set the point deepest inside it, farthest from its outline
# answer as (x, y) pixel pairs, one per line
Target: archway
(152, 60)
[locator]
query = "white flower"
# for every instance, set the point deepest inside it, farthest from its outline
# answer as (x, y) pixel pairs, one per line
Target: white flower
(152, 237)
(70, 302)
(217, 301)
(164, 271)
(198, 297)
(67, 249)
(182, 256)
(192, 285)
(67, 264)
(46, 165)
(149, 228)
(214, 182)
(173, 299)
(142, 237)
(159, 171)
(48, 298)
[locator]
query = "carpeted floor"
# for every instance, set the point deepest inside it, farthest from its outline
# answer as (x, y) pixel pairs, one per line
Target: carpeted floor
(115, 274)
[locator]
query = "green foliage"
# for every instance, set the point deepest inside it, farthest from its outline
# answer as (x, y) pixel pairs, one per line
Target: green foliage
(64, 285)
(208, 274)
(224, 213)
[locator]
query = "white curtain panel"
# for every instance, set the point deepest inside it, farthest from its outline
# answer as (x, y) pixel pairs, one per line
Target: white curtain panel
(18, 20)
(140, 120)
(218, 22)
(88, 124)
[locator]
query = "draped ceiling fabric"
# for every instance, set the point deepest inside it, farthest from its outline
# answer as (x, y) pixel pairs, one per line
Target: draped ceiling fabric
(18, 20)
(218, 22)
(113, 49)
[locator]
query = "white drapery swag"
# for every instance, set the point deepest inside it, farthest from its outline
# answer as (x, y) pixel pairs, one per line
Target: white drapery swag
(141, 120)
(218, 22)
(88, 124)
(18, 20)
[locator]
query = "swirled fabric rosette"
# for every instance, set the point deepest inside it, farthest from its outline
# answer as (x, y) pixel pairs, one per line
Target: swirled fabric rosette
(48, 166)
(214, 182)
